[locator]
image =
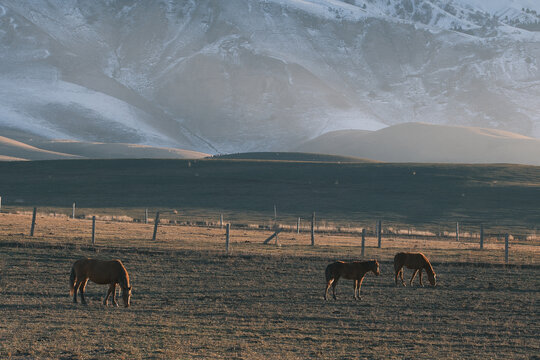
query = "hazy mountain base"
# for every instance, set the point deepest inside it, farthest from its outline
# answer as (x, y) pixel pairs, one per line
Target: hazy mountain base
(418, 142)
(38, 148)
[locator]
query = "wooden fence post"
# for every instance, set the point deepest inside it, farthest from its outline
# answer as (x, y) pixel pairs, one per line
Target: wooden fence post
(278, 230)
(313, 229)
(227, 235)
(33, 222)
(298, 226)
(0, 203)
(156, 222)
(506, 236)
(73, 212)
(363, 240)
(379, 232)
(221, 221)
(275, 214)
(457, 231)
(93, 230)
(481, 236)
(146, 216)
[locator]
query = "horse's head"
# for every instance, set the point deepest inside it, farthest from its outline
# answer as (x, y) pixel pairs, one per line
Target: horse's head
(375, 268)
(432, 278)
(126, 295)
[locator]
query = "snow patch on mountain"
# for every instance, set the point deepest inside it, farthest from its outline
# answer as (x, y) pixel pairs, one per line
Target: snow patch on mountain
(243, 75)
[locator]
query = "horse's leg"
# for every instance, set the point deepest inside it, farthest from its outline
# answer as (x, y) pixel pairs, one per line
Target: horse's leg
(360, 285)
(413, 276)
(334, 284)
(114, 295)
(355, 287)
(109, 291)
(76, 288)
(328, 287)
(81, 289)
(399, 272)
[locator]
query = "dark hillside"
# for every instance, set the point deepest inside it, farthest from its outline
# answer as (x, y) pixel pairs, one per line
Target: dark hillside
(405, 193)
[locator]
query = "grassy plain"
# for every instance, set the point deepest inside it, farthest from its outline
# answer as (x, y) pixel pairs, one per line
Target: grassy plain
(191, 300)
(503, 197)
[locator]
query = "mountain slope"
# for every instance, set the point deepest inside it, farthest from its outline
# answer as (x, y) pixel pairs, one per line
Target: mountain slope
(420, 142)
(249, 75)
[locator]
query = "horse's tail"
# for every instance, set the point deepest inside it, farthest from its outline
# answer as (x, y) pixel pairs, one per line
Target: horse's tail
(398, 261)
(329, 272)
(72, 278)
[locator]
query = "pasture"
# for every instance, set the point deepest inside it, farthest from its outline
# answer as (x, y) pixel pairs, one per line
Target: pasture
(502, 197)
(191, 300)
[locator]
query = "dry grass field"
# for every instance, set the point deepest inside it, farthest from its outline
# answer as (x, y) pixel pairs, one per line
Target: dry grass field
(191, 300)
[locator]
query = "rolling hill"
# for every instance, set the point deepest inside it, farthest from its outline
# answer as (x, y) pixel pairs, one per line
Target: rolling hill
(37, 148)
(421, 142)
(291, 156)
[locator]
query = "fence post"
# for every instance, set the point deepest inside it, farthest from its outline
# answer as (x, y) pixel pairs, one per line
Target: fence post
(275, 214)
(93, 230)
(379, 232)
(227, 235)
(73, 212)
(298, 226)
(156, 222)
(0, 203)
(313, 229)
(221, 221)
(363, 240)
(481, 236)
(146, 216)
(33, 222)
(506, 236)
(457, 231)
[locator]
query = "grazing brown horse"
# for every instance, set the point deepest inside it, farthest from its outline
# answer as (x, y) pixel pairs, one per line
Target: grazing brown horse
(110, 272)
(355, 270)
(417, 262)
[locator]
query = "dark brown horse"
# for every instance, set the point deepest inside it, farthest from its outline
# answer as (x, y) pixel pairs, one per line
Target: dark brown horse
(110, 272)
(417, 262)
(355, 270)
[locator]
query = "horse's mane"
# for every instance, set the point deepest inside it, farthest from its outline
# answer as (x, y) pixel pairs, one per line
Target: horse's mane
(124, 277)
(428, 267)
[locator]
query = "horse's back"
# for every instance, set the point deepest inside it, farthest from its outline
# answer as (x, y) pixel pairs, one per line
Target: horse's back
(99, 271)
(347, 270)
(410, 260)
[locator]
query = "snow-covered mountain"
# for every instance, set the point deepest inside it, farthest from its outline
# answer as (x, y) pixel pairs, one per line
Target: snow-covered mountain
(241, 75)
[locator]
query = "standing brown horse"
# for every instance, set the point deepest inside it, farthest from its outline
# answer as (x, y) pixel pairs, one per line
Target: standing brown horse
(110, 272)
(417, 262)
(355, 270)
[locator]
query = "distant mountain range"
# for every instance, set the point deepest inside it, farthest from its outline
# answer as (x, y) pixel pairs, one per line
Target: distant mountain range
(220, 76)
